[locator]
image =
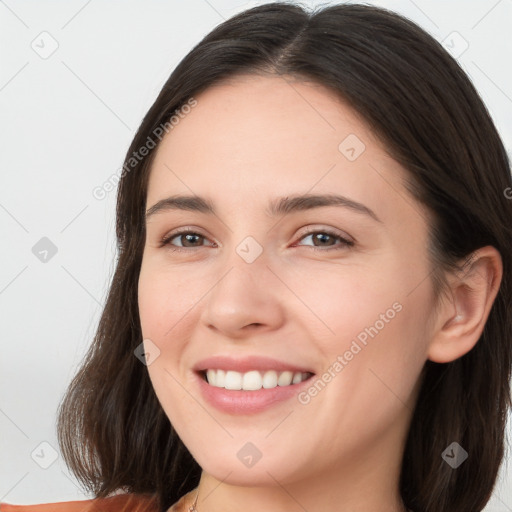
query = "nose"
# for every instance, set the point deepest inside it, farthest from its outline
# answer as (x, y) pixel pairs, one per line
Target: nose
(246, 297)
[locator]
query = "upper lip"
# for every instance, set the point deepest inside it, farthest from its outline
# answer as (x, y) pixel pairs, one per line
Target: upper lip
(247, 363)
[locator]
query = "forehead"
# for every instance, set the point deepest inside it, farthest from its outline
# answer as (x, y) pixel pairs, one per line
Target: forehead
(254, 135)
(272, 110)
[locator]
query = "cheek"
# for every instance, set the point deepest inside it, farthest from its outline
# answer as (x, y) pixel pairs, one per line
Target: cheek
(342, 300)
(377, 324)
(165, 298)
(375, 382)
(384, 353)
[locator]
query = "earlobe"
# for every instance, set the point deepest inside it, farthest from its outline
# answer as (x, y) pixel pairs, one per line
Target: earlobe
(461, 320)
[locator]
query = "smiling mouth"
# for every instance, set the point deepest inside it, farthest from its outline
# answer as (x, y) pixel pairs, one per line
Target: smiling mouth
(253, 380)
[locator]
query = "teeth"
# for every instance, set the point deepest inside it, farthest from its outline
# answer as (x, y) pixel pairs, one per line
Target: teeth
(298, 377)
(285, 379)
(269, 379)
(220, 378)
(233, 380)
(211, 375)
(253, 380)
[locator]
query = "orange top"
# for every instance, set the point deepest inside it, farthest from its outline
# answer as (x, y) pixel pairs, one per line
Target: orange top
(129, 502)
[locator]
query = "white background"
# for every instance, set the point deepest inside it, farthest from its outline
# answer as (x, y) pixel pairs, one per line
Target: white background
(66, 123)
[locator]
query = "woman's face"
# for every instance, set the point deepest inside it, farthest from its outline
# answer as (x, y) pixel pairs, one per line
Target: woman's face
(267, 286)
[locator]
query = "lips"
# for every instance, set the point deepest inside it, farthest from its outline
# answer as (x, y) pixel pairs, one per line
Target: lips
(241, 397)
(247, 364)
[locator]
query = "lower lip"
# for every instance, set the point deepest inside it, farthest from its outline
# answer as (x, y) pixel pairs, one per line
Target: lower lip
(248, 402)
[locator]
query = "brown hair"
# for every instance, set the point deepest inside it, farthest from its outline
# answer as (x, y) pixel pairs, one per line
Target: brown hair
(112, 430)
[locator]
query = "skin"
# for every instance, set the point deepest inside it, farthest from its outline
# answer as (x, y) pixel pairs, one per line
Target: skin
(249, 140)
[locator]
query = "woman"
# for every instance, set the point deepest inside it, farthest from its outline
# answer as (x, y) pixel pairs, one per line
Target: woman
(241, 365)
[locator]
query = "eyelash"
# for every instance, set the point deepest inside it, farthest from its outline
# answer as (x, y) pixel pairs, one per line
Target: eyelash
(166, 241)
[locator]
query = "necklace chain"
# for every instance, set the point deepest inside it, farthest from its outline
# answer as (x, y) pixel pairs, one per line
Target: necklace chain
(192, 507)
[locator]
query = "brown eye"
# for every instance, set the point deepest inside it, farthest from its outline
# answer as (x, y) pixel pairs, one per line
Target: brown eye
(322, 240)
(188, 239)
(327, 239)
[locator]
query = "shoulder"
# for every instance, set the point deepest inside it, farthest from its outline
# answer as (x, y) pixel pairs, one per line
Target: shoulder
(129, 502)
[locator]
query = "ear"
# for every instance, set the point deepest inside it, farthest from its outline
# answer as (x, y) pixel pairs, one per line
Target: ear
(461, 320)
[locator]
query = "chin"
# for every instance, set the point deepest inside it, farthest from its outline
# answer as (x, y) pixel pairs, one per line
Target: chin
(226, 467)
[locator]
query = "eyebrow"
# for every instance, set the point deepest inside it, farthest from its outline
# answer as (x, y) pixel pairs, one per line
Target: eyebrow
(276, 207)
